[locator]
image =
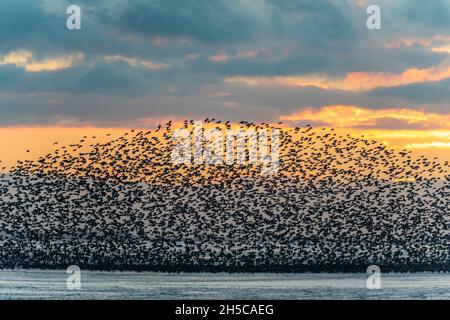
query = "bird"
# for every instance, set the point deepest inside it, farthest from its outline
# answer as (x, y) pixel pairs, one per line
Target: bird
(335, 203)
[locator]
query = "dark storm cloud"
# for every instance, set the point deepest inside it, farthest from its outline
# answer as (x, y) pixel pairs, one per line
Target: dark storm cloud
(313, 22)
(322, 35)
(285, 100)
(422, 93)
(303, 61)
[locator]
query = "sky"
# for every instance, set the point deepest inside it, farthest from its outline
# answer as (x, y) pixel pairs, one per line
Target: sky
(136, 63)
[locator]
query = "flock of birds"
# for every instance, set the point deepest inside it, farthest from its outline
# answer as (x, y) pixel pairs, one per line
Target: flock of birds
(336, 203)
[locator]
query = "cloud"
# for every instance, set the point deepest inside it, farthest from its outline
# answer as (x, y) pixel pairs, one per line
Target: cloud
(137, 59)
(420, 93)
(353, 81)
(220, 57)
(138, 62)
(428, 145)
(412, 41)
(353, 116)
(24, 59)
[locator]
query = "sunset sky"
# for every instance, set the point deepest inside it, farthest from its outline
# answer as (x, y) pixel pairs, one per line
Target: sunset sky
(140, 62)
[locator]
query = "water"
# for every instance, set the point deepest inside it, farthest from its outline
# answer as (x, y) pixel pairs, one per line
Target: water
(45, 284)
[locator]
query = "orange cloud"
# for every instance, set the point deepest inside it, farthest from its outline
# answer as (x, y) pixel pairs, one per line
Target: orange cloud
(442, 49)
(353, 116)
(362, 3)
(25, 59)
(353, 81)
(409, 134)
(317, 81)
(220, 57)
(425, 42)
(438, 43)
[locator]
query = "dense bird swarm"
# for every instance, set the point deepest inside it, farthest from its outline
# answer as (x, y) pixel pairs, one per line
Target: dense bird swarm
(337, 203)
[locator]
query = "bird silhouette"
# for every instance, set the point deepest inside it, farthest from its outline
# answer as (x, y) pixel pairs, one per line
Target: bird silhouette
(335, 203)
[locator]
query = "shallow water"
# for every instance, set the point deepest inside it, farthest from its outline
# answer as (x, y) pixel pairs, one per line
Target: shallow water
(45, 284)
